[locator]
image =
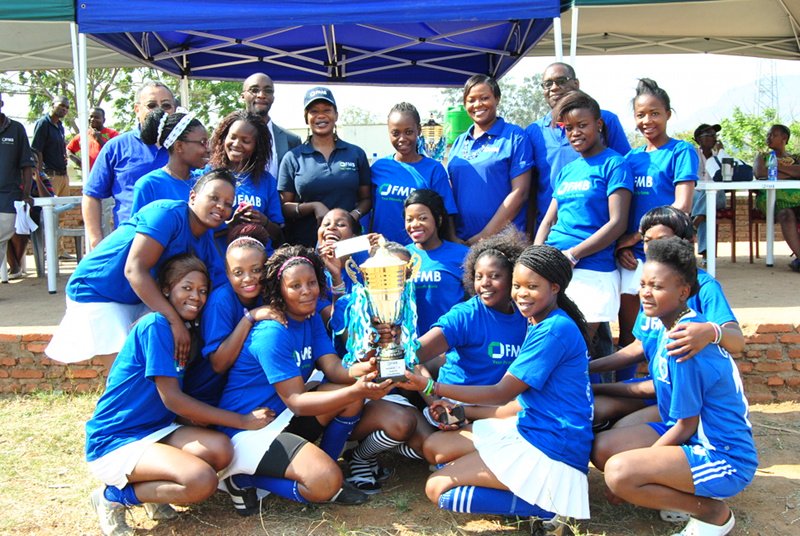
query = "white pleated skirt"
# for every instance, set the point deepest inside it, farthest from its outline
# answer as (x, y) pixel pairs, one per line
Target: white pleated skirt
(595, 293)
(90, 329)
(528, 472)
(630, 279)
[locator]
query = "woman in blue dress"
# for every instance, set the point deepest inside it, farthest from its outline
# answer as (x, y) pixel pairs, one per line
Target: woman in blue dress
(664, 173)
(186, 140)
(489, 166)
(133, 444)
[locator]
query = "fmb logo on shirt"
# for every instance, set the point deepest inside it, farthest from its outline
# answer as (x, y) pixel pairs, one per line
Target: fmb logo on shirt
(253, 200)
(428, 277)
(395, 190)
(347, 166)
(576, 186)
(643, 181)
(7, 141)
(498, 350)
(651, 323)
(305, 356)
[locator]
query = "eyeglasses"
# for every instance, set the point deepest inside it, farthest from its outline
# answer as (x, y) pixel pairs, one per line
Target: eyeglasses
(204, 143)
(560, 81)
(707, 135)
(166, 106)
(255, 91)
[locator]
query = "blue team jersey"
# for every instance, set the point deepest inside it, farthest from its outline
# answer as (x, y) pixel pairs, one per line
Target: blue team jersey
(708, 386)
(271, 354)
(482, 343)
(552, 151)
(159, 184)
(481, 170)
(438, 282)
(556, 415)
(393, 182)
(100, 276)
(582, 189)
(709, 301)
(655, 175)
(131, 408)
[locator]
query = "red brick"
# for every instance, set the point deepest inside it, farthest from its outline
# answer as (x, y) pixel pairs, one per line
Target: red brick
(8, 362)
(26, 361)
(794, 381)
(781, 366)
(26, 373)
(3, 373)
(794, 353)
(47, 362)
(774, 353)
(753, 354)
(30, 337)
(82, 373)
(760, 339)
(744, 366)
(7, 337)
(775, 328)
(36, 347)
(790, 338)
(775, 381)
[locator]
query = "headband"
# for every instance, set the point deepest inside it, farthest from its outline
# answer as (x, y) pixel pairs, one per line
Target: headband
(177, 131)
(245, 240)
(292, 260)
(161, 123)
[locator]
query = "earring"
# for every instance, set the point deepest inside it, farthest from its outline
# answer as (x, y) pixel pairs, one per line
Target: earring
(166, 294)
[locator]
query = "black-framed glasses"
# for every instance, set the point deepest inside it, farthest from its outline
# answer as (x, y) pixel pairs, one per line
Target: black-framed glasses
(255, 91)
(560, 81)
(166, 106)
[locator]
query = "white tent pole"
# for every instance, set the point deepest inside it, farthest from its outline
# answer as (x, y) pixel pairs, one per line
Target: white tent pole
(185, 88)
(573, 37)
(559, 46)
(78, 41)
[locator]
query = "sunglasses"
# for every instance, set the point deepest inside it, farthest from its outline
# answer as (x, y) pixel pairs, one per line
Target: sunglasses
(560, 81)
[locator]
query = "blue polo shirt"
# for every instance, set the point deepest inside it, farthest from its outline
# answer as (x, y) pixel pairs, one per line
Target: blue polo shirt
(552, 151)
(121, 162)
(393, 182)
(334, 182)
(438, 284)
(100, 276)
(655, 175)
(582, 189)
(50, 140)
(481, 170)
(159, 184)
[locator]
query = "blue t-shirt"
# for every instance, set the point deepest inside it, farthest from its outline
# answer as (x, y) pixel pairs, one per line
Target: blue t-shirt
(655, 175)
(552, 151)
(557, 408)
(483, 342)
(122, 161)
(334, 182)
(100, 276)
(131, 407)
(271, 354)
(582, 189)
(481, 171)
(438, 282)
(159, 184)
(393, 182)
(708, 386)
(709, 301)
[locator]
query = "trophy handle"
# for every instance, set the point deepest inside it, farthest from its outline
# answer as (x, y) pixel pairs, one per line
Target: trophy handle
(414, 265)
(352, 270)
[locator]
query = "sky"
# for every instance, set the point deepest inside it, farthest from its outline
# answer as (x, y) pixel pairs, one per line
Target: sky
(703, 88)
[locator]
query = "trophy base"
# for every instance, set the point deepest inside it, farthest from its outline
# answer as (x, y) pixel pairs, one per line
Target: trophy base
(391, 363)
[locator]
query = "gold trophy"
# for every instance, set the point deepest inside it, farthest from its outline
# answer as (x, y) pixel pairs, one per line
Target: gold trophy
(385, 279)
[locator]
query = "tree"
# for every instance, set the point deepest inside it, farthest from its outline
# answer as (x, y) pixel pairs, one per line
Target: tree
(520, 103)
(355, 115)
(745, 134)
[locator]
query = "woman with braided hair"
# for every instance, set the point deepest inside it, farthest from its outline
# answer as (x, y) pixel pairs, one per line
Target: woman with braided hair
(186, 140)
(536, 464)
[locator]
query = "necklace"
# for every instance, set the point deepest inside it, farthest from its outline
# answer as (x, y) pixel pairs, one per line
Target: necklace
(172, 173)
(677, 318)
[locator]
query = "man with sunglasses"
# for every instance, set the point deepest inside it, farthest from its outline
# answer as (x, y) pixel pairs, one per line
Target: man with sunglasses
(122, 161)
(258, 94)
(551, 148)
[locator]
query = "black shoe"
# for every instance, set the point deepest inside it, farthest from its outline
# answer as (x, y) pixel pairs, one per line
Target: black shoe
(245, 500)
(349, 495)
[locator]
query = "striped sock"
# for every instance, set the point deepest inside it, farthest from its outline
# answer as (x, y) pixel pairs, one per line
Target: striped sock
(364, 464)
(279, 486)
(480, 500)
(408, 452)
(336, 434)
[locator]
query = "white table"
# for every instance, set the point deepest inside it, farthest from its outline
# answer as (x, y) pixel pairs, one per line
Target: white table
(50, 223)
(711, 213)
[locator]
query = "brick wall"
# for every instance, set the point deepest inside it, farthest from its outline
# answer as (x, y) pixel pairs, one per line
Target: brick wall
(724, 226)
(770, 365)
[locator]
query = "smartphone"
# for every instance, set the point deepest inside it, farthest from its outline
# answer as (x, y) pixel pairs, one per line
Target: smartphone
(455, 416)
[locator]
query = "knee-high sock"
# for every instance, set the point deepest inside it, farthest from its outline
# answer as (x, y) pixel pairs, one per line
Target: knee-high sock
(480, 500)
(125, 495)
(407, 451)
(279, 486)
(364, 464)
(336, 434)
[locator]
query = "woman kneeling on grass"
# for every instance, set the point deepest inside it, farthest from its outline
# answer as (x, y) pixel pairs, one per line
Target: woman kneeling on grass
(534, 465)
(133, 444)
(703, 451)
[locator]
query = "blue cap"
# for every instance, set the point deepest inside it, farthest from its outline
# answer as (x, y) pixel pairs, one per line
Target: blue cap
(318, 93)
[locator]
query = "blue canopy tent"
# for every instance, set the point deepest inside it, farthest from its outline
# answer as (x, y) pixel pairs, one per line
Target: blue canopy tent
(323, 41)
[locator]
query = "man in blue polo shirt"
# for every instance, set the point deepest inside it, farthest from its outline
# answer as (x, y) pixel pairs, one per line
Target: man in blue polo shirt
(50, 145)
(551, 148)
(121, 162)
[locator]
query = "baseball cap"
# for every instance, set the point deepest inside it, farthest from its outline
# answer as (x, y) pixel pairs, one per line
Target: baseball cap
(318, 93)
(703, 127)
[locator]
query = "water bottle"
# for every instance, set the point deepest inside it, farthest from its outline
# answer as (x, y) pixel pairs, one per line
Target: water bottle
(772, 167)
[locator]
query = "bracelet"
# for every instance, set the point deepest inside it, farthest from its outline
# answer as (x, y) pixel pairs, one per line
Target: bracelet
(338, 290)
(360, 214)
(436, 389)
(297, 209)
(717, 333)
(248, 316)
(429, 388)
(570, 256)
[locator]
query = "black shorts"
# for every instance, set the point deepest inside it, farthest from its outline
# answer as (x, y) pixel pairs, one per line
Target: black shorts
(284, 448)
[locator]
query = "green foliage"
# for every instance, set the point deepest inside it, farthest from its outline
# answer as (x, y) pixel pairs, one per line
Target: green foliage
(520, 103)
(212, 100)
(745, 134)
(355, 115)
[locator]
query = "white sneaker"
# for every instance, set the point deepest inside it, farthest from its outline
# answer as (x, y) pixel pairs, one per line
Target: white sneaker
(111, 515)
(160, 512)
(695, 527)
